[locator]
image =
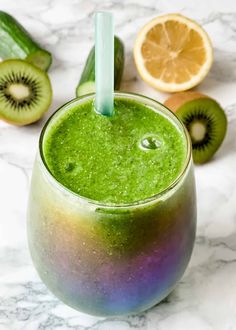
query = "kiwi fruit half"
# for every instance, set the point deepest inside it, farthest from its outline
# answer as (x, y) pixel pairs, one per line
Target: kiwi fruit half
(25, 92)
(204, 119)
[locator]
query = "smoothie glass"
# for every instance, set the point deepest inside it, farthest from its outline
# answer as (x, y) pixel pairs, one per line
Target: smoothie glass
(111, 259)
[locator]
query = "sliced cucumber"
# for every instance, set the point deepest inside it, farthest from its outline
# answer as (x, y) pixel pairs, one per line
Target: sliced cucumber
(87, 81)
(16, 42)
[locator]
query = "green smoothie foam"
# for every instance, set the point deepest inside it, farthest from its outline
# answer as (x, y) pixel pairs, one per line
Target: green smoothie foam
(131, 156)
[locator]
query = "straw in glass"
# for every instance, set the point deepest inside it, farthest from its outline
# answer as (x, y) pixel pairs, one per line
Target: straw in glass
(104, 63)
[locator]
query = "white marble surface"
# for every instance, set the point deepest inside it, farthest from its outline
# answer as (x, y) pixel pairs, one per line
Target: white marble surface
(205, 299)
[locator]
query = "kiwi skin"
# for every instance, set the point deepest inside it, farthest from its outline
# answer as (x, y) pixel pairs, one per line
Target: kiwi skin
(177, 100)
(14, 67)
(193, 107)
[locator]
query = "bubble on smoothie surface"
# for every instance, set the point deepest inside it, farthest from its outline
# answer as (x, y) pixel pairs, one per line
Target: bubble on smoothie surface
(69, 166)
(150, 142)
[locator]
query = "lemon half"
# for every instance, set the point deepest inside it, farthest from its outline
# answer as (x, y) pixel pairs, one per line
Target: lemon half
(173, 53)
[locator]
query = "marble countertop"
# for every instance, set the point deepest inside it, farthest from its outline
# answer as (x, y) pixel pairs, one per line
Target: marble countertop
(205, 298)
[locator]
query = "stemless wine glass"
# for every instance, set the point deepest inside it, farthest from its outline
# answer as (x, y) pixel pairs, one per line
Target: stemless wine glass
(111, 259)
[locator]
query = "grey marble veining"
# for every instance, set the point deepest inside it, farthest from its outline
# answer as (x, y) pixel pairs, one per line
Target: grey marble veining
(205, 298)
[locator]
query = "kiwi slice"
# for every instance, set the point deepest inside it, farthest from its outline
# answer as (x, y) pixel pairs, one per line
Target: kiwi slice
(25, 92)
(204, 119)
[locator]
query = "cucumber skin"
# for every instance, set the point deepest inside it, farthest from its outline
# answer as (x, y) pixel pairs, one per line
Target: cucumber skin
(16, 42)
(88, 73)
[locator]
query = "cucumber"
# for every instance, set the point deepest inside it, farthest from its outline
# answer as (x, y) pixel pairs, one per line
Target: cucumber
(16, 42)
(86, 84)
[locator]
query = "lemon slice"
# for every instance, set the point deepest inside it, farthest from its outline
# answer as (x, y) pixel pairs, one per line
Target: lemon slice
(173, 53)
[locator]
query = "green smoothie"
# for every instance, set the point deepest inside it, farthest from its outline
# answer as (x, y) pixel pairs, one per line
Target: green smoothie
(131, 156)
(96, 255)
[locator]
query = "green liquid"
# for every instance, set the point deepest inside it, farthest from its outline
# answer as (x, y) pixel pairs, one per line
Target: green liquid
(131, 156)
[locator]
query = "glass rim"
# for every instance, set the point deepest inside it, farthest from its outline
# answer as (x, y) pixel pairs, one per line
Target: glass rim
(145, 201)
